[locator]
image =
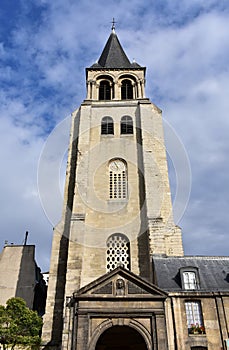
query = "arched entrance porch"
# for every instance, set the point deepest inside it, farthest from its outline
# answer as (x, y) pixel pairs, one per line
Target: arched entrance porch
(120, 338)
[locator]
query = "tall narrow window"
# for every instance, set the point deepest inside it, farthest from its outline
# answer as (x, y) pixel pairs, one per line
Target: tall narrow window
(118, 179)
(194, 317)
(127, 90)
(126, 125)
(104, 90)
(107, 126)
(118, 251)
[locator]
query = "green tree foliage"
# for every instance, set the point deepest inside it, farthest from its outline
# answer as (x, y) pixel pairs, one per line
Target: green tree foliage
(19, 326)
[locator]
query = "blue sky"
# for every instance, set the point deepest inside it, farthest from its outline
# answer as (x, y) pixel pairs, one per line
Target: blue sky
(44, 49)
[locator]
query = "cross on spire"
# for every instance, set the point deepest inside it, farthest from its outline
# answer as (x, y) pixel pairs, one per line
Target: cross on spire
(113, 24)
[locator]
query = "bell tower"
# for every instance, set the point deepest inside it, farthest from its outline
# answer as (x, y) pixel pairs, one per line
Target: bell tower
(117, 210)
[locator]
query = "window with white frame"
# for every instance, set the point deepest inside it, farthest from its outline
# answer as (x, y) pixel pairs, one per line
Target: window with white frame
(190, 280)
(194, 316)
(118, 251)
(118, 179)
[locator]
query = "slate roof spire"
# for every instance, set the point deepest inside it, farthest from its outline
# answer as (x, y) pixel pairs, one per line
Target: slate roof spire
(113, 55)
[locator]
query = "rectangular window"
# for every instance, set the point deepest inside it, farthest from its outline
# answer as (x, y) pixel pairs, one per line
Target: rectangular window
(194, 317)
(190, 281)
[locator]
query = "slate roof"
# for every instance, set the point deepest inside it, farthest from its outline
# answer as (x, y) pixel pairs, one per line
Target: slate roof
(213, 272)
(113, 56)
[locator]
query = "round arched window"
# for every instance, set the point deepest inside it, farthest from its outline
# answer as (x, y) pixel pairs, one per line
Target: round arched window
(107, 126)
(126, 90)
(118, 251)
(118, 179)
(126, 125)
(104, 90)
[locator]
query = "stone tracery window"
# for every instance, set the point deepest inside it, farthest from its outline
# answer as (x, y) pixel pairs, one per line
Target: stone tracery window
(118, 179)
(118, 251)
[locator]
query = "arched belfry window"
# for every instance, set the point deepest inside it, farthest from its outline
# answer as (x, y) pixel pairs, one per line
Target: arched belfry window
(104, 90)
(126, 125)
(118, 251)
(107, 126)
(118, 179)
(126, 90)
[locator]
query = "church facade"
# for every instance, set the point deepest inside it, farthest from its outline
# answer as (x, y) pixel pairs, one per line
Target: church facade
(118, 275)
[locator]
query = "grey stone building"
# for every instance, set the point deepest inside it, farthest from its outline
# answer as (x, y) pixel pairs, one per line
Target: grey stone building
(21, 277)
(118, 275)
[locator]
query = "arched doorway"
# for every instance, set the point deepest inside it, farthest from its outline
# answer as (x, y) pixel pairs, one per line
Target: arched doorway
(121, 338)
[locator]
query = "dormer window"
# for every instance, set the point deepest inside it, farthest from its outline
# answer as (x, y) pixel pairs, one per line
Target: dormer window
(190, 278)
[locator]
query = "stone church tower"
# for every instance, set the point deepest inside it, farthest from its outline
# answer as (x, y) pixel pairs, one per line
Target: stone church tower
(117, 215)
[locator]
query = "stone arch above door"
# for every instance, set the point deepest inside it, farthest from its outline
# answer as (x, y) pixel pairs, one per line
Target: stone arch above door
(127, 329)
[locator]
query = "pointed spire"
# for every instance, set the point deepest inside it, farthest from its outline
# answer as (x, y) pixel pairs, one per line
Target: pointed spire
(113, 55)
